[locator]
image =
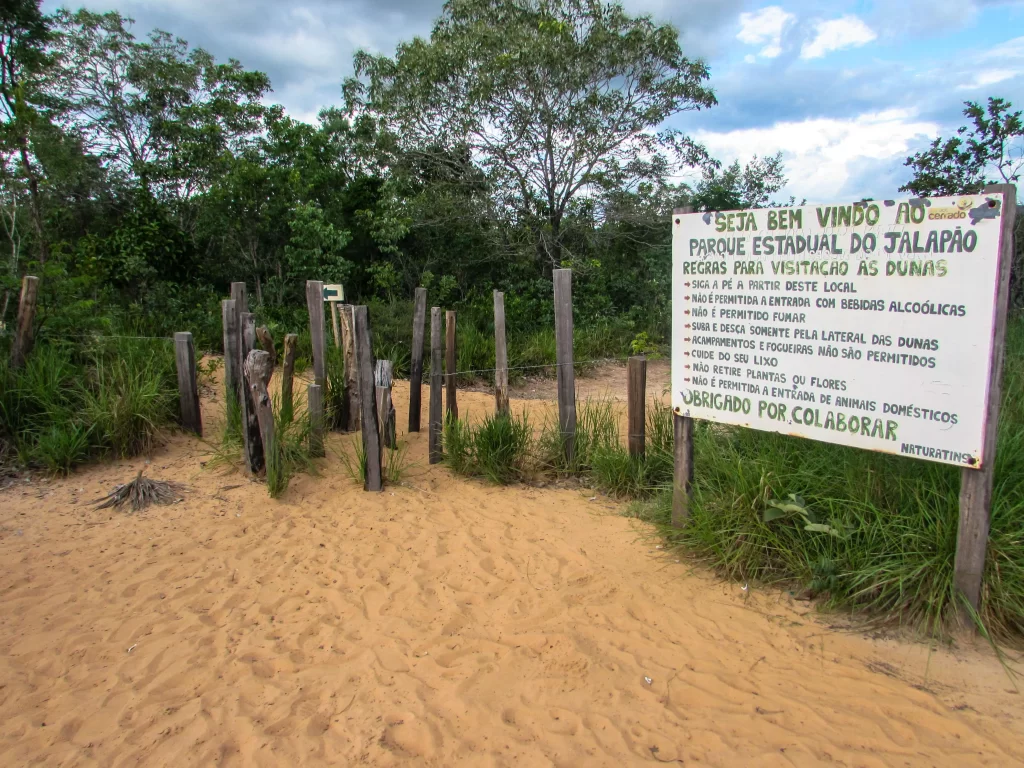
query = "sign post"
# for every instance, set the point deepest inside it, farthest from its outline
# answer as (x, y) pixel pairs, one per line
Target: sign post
(877, 325)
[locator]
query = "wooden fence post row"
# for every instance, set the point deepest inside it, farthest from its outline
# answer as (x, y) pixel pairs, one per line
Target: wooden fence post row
(566, 373)
(368, 403)
(636, 402)
(257, 370)
(229, 321)
(384, 378)
(500, 355)
(315, 406)
(24, 334)
(315, 306)
(241, 306)
(434, 416)
(188, 388)
(419, 315)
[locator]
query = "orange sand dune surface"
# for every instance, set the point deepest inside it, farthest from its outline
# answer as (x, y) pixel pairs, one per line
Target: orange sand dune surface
(443, 622)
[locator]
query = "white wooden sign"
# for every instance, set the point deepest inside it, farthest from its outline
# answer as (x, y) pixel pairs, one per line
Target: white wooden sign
(334, 293)
(866, 324)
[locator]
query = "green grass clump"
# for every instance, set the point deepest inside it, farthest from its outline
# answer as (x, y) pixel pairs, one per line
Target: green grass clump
(597, 430)
(497, 450)
(334, 393)
(288, 454)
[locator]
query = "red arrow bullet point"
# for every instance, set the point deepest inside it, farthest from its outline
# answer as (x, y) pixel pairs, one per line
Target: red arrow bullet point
(686, 339)
(687, 285)
(687, 326)
(686, 380)
(686, 297)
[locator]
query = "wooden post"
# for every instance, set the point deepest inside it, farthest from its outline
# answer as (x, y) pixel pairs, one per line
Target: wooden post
(350, 407)
(419, 316)
(267, 343)
(229, 320)
(238, 295)
(383, 380)
(253, 443)
(976, 484)
(336, 323)
(368, 404)
(434, 416)
(257, 371)
(451, 356)
(288, 375)
(682, 476)
(188, 388)
(315, 305)
(315, 407)
(566, 373)
(636, 401)
(25, 333)
(500, 355)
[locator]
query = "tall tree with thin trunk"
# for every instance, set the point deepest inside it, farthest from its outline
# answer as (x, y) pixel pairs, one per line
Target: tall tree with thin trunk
(555, 98)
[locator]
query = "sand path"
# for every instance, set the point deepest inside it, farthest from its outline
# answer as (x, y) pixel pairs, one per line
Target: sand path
(441, 623)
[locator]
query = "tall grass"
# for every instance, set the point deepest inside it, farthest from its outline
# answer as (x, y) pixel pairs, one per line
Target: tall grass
(497, 450)
(69, 404)
(596, 431)
(288, 452)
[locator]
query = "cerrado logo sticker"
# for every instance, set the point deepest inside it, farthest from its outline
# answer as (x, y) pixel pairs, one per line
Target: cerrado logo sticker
(916, 211)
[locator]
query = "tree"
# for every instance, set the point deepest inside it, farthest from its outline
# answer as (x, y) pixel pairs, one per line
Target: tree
(989, 151)
(751, 186)
(556, 98)
(24, 34)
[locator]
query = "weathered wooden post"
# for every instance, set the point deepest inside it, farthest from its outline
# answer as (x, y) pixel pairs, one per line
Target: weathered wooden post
(257, 371)
(315, 407)
(368, 403)
(267, 343)
(336, 323)
(239, 296)
(451, 356)
(564, 359)
(288, 376)
(350, 409)
(25, 333)
(229, 321)
(315, 306)
(636, 397)
(419, 315)
(434, 415)
(385, 408)
(976, 484)
(500, 355)
(252, 441)
(188, 388)
(682, 475)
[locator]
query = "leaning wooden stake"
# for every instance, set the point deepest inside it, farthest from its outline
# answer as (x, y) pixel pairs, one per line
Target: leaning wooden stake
(288, 376)
(250, 421)
(500, 355)
(976, 484)
(385, 408)
(416, 371)
(368, 405)
(451, 409)
(24, 335)
(636, 397)
(188, 388)
(434, 415)
(563, 351)
(336, 324)
(315, 306)
(350, 410)
(257, 370)
(315, 406)
(682, 475)
(267, 343)
(229, 320)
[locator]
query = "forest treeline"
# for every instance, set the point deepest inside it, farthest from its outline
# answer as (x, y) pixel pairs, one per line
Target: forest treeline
(139, 176)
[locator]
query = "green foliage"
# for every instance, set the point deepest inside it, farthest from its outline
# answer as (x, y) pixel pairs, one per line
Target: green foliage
(288, 454)
(988, 151)
(497, 450)
(334, 395)
(597, 431)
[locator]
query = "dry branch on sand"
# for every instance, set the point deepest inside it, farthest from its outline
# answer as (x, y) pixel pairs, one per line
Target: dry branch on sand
(141, 492)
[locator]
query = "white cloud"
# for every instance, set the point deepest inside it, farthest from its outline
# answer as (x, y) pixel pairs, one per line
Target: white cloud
(988, 77)
(836, 34)
(825, 158)
(765, 27)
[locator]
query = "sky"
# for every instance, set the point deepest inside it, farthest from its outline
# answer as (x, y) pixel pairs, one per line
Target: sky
(846, 90)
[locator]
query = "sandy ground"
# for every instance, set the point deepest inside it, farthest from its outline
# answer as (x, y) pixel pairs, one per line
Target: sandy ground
(441, 623)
